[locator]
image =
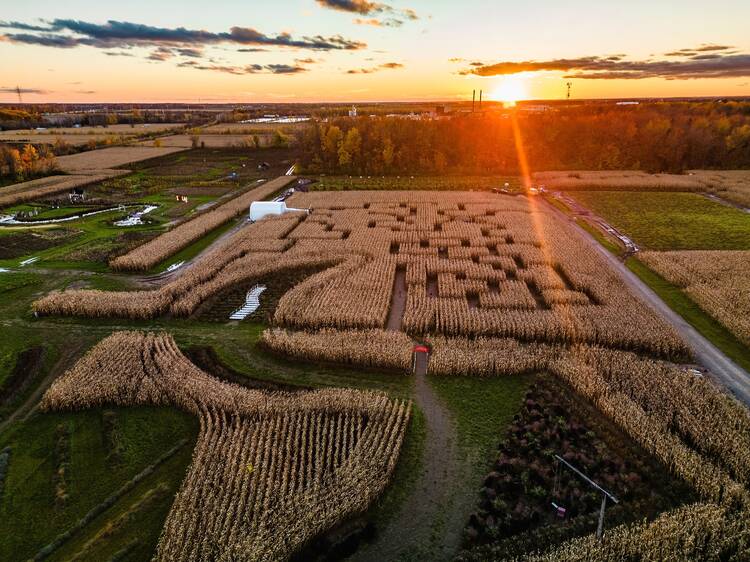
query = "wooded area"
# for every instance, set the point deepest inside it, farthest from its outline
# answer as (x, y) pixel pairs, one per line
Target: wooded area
(655, 137)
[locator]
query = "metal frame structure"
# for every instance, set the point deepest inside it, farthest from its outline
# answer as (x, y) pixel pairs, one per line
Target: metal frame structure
(605, 493)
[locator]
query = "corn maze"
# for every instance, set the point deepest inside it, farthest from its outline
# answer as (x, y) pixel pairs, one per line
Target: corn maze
(475, 265)
(270, 471)
(496, 285)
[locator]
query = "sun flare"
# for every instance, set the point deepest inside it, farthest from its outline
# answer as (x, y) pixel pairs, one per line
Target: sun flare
(510, 89)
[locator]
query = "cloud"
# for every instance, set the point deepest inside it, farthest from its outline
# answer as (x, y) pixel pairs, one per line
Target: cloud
(704, 62)
(22, 26)
(248, 69)
(362, 7)
(384, 66)
(161, 54)
(87, 92)
(9, 90)
(69, 33)
(387, 16)
(375, 22)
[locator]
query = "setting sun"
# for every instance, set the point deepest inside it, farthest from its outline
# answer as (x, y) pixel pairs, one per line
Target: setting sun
(510, 89)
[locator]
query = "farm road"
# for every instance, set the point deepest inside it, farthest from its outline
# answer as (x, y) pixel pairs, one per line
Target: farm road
(429, 523)
(733, 377)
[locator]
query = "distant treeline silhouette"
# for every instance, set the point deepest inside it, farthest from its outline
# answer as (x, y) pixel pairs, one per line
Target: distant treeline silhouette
(655, 137)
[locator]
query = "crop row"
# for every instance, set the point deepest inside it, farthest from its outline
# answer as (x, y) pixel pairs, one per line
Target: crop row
(270, 471)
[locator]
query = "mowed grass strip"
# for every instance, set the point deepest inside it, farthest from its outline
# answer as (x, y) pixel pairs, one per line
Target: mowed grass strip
(671, 221)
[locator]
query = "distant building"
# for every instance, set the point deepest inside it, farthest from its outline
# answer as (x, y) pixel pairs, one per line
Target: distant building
(353, 112)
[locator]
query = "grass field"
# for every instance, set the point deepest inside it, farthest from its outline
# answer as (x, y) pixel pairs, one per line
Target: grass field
(31, 517)
(671, 221)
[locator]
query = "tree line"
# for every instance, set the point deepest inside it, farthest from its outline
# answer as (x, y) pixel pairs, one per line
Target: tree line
(26, 163)
(655, 137)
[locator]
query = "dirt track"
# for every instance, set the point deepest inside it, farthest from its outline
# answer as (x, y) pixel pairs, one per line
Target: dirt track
(429, 524)
(722, 369)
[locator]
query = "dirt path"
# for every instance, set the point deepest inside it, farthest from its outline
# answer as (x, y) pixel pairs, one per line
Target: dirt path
(398, 301)
(722, 369)
(429, 524)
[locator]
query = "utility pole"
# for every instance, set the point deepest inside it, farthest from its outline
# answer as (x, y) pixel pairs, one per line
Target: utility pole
(569, 85)
(605, 494)
(18, 91)
(480, 100)
(473, 99)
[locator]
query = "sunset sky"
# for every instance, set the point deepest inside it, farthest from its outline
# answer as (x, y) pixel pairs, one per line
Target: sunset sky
(355, 50)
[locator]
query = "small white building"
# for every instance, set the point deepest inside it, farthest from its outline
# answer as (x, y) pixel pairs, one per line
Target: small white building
(353, 112)
(260, 209)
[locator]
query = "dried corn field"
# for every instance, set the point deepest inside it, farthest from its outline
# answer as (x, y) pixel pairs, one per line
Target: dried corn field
(475, 265)
(731, 185)
(718, 281)
(157, 250)
(270, 471)
(618, 180)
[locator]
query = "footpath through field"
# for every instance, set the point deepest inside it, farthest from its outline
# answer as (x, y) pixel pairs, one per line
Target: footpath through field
(431, 519)
(722, 369)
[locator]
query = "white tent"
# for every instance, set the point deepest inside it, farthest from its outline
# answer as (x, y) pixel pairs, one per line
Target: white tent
(260, 209)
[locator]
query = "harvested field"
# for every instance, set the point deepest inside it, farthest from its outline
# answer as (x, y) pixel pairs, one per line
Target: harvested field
(111, 157)
(217, 141)
(159, 249)
(52, 185)
(119, 129)
(718, 281)
(270, 471)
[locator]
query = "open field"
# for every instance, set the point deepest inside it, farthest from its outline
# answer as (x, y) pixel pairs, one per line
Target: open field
(716, 280)
(253, 128)
(731, 185)
(671, 221)
(111, 157)
(83, 135)
(216, 140)
(52, 185)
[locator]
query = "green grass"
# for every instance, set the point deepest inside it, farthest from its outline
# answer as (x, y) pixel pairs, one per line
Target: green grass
(29, 517)
(671, 221)
(681, 303)
(482, 409)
